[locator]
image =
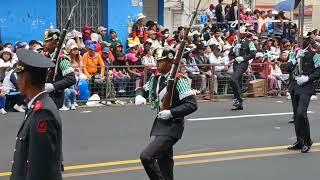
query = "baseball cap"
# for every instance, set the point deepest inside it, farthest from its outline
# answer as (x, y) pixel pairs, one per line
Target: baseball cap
(106, 50)
(131, 57)
(93, 47)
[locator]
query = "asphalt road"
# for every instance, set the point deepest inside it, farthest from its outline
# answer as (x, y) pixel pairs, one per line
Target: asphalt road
(105, 142)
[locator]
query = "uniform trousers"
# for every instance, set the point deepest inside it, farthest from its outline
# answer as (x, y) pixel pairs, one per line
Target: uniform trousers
(300, 104)
(238, 70)
(157, 158)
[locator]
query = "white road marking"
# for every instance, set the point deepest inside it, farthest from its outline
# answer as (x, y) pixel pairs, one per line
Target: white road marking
(86, 111)
(243, 116)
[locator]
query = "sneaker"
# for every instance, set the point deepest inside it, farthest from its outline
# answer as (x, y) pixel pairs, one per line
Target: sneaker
(64, 108)
(76, 104)
(18, 108)
(73, 107)
(2, 111)
(314, 98)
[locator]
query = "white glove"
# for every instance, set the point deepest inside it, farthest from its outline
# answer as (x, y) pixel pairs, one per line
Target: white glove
(302, 79)
(139, 100)
(239, 59)
(49, 87)
(165, 115)
(236, 47)
(300, 53)
(293, 61)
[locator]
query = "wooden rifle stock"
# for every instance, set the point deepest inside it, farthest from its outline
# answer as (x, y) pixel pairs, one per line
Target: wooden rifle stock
(167, 99)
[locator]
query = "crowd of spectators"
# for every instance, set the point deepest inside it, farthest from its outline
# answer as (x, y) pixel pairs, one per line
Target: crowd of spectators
(110, 68)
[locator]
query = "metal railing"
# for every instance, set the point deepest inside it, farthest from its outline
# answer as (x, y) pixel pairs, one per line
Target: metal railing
(119, 83)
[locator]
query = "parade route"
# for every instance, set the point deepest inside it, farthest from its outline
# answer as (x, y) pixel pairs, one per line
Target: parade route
(105, 142)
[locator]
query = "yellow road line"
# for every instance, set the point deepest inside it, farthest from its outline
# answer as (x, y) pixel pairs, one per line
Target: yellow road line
(204, 161)
(97, 165)
(186, 156)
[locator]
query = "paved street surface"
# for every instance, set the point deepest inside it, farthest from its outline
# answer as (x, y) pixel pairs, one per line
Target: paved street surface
(105, 143)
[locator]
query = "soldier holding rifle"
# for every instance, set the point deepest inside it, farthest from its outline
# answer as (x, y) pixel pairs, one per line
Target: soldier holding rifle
(174, 99)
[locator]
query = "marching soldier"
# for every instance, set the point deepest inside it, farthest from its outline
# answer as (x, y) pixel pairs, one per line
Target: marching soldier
(157, 157)
(64, 77)
(305, 70)
(38, 150)
(242, 52)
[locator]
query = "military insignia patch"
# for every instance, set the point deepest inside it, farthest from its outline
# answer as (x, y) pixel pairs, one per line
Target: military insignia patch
(38, 106)
(170, 56)
(42, 126)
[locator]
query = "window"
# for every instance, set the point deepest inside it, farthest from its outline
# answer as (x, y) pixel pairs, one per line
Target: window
(88, 12)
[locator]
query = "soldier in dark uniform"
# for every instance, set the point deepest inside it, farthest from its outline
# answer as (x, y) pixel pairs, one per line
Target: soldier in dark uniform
(157, 157)
(305, 70)
(241, 52)
(38, 150)
(65, 77)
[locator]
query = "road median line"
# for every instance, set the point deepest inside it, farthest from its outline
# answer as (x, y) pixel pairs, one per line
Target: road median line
(185, 163)
(186, 156)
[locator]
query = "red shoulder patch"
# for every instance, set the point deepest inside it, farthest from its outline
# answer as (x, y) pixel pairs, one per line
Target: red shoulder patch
(42, 126)
(38, 106)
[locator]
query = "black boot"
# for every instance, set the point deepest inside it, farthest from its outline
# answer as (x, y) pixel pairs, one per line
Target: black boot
(306, 147)
(237, 105)
(295, 146)
(292, 120)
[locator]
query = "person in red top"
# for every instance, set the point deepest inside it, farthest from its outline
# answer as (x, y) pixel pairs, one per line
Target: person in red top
(138, 29)
(86, 31)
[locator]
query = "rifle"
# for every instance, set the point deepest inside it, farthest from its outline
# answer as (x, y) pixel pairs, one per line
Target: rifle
(57, 52)
(167, 99)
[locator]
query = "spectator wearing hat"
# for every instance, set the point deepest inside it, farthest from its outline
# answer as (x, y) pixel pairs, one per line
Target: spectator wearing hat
(205, 71)
(92, 62)
(170, 42)
(107, 56)
(114, 41)
(102, 31)
(86, 33)
(267, 74)
(138, 29)
(14, 100)
(95, 40)
(76, 61)
(6, 61)
(193, 70)
(136, 74)
(196, 38)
